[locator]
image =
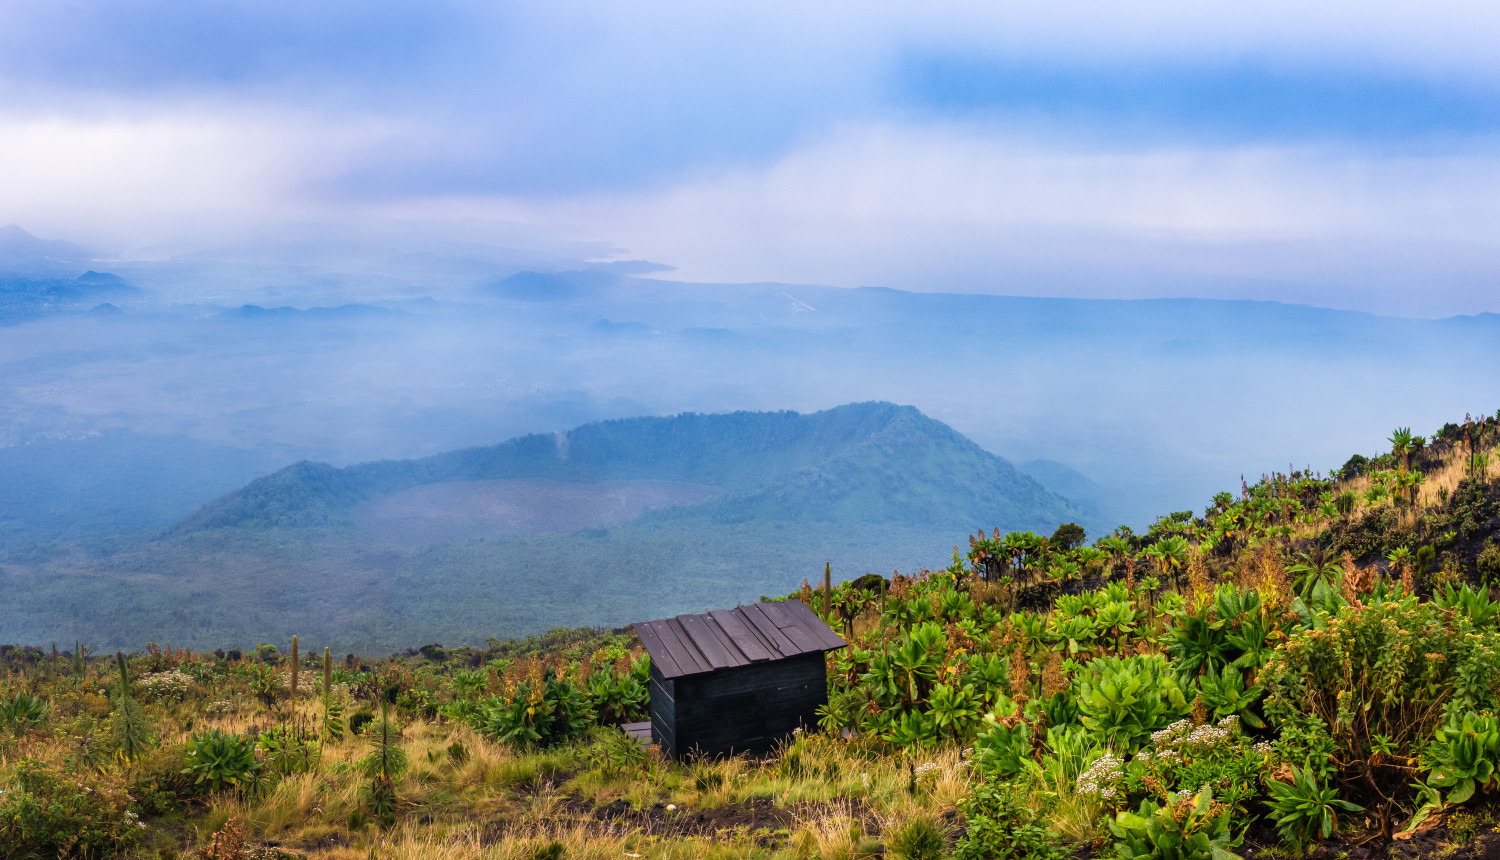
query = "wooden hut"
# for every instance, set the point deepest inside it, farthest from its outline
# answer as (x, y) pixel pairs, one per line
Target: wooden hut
(736, 680)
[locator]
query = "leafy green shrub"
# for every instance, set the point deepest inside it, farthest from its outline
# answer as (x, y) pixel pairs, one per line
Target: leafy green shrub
(458, 753)
(1123, 700)
(910, 730)
(1002, 827)
(1302, 808)
(902, 676)
(1354, 467)
(221, 759)
(541, 715)
(52, 815)
(1072, 634)
(1186, 828)
(288, 750)
(383, 766)
(1197, 643)
(917, 839)
(158, 782)
(1186, 755)
(621, 698)
(955, 710)
(1471, 507)
(333, 720)
(615, 752)
(1464, 756)
(1224, 694)
(22, 712)
(1375, 678)
(360, 720)
(1001, 747)
(1462, 826)
(265, 682)
(1475, 605)
(132, 730)
(1487, 564)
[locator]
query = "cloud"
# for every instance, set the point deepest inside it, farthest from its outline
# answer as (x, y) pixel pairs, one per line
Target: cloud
(157, 170)
(960, 208)
(1133, 147)
(1253, 99)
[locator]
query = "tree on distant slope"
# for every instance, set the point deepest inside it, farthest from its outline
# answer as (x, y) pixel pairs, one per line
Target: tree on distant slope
(1068, 536)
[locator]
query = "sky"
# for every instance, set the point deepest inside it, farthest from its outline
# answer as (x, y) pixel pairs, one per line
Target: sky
(1339, 154)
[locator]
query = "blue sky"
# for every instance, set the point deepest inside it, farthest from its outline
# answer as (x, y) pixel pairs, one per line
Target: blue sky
(1339, 154)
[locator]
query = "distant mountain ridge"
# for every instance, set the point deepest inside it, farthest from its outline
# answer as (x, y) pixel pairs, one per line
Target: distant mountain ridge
(866, 462)
(707, 511)
(20, 250)
(27, 297)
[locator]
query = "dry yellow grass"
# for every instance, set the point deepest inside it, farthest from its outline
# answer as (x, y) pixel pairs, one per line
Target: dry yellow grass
(1445, 478)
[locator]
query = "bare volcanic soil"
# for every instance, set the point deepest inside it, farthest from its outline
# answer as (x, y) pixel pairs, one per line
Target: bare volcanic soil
(469, 510)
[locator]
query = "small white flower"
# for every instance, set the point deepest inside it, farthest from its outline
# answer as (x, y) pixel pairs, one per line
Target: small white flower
(671, 807)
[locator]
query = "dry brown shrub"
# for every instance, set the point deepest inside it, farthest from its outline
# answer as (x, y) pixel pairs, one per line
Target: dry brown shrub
(228, 842)
(1054, 679)
(988, 593)
(1263, 570)
(1020, 675)
(1356, 580)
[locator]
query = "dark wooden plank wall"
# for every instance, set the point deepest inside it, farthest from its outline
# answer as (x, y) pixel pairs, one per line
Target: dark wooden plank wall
(663, 711)
(741, 709)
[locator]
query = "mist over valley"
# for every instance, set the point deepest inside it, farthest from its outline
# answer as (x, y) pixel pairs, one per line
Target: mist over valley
(124, 420)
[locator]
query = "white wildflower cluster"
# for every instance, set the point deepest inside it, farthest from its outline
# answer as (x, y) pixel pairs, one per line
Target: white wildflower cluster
(1102, 779)
(1205, 736)
(306, 684)
(171, 684)
(1169, 737)
(1264, 749)
(219, 708)
(1170, 741)
(928, 771)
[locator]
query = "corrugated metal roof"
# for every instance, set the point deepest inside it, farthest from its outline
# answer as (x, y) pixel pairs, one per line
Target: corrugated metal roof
(725, 638)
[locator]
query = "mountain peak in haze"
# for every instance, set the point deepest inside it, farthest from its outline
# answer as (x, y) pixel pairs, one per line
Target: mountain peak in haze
(20, 249)
(103, 279)
(863, 462)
